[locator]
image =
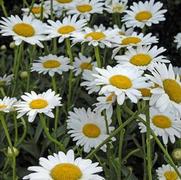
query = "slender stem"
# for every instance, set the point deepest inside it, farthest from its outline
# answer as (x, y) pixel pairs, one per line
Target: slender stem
(2, 91)
(9, 143)
(114, 133)
(144, 156)
(98, 56)
(3, 8)
(130, 154)
(121, 137)
(16, 129)
(47, 133)
(69, 52)
(51, 9)
(24, 132)
(148, 144)
(42, 9)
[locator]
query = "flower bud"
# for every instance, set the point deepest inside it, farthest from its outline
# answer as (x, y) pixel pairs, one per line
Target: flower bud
(176, 154)
(10, 153)
(3, 47)
(12, 45)
(24, 74)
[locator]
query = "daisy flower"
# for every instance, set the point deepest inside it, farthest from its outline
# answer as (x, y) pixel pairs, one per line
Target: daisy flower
(167, 91)
(64, 29)
(177, 40)
(123, 31)
(89, 81)
(88, 128)
(116, 6)
(167, 172)
(142, 56)
(65, 167)
(59, 4)
(34, 103)
(96, 36)
(6, 80)
(7, 104)
(123, 81)
(82, 63)
(106, 103)
(85, 8)
(27, 29)
(37, 10)
(165, 124)
(144, 14)
(132, 40)
(51, 64)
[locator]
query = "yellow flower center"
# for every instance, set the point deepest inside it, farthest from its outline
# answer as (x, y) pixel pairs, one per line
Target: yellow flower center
(95, 35)
(120, 81)
(23, 29)
(51, 64)
(173, 89)
(162, 121)
(86, 66)
(130, 40)
(66, 29)
(36, 10)
(2, 106)
(64, 1)
(66, 171)
(145, 92)
(143, 16)
(38, 104)
(171, 175)
(140, 60)
(91, 130)
(84, 8)
(110, 97)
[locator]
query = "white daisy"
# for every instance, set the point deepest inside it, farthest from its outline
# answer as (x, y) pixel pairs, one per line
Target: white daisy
(106, 103)
(123, 81)
(64, 29)
(167, 91)
(177, 40)
(89, 81)
(116, 6)
(167, 172)
(144, 14)
(34, 103)
(7, 104)
(133, 40)
(165, 124)
(96, 36)
(142, 56)
(59, 4)
(63, 166)
(88, 128)
(37, 10)
(6, 80)
(82, 63)
(27, 29)
(85, 8)
(123, 31)
(51, 64)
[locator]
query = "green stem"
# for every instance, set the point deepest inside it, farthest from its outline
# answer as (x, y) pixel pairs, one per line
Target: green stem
(9, 143)
(41, 16)
(3, 8)
(47, 133)
(69, 52)
(144, 156)
(98, 56)
(24, 132)
(16, 129)
(51, 9)
(130, 154)
(114, 133)
(2, 91)
(121, 137)
(148, 144)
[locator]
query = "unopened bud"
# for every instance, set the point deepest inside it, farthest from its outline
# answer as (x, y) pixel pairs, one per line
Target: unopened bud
(3, 47)
(11, 153)
(12, 45)
(24, 74)
(176, 154)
